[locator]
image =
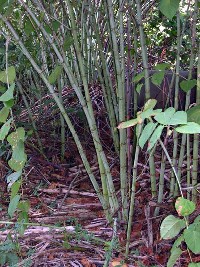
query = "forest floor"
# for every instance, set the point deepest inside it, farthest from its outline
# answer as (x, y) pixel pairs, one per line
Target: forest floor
(68, 227)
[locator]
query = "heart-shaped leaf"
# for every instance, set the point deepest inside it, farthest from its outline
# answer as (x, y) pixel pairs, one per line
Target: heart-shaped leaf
(187, 85)
(169, 7)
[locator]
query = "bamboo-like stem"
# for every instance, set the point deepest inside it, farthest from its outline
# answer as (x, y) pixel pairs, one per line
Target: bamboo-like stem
(133, 191)
(119, 65)
(64, 114)
(175, 134)
(62, 122)
(85, 105)
(196, 136)
(147, 78)
(110, 189)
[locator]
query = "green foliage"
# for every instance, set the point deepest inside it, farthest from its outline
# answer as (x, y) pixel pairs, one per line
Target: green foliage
(55, 74)
(187, 85)
(194, 114)
(169, 7)
(184, 207)
(8, 75)
(171, 226)
(152, 131)
(8, 254)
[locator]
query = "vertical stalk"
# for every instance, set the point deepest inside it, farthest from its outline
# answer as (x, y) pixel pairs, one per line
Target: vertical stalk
(196, 136)
(133, 191)
(121, 96)
(146, 76)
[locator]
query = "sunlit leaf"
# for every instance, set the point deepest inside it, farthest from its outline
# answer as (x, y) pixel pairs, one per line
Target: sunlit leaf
(5, 129)
(17, 165)
(175, 254)
(14, 137)
(180, 117)
(8, 94)
(189, 128)
(12, 178)
(127, 124)
(192, 237)
(155, 136)
(171, 227)
(4, 112)
(150, 104)
(184, 207)
(8, 76)
(146, 133)
(165, 116)
(194, 264)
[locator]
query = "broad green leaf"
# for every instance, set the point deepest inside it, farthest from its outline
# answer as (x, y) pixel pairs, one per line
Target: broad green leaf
(187, 85)
(13, 205)
(18, 151)
(14, 137)
(138, 77)
(4, 112)
(13, 177)
(184, 207)
(197, 220)
(155, 136)
(175, 254)
(192, 237)
(15, 188)
(24, 205)
(127, 124)
(150, 104)
(169, 7)
(5, 129)
(9, 76)
(178, 242)
(8, 94)
(22, 218)
(180, 117)
(149, 113)
(194, 264)
(9, 104)
(171, 227)
(162, 66)
(189, 128)
(157, 78)
(194, 114)
(55, 74)
(165, 116)
(17, 165)
(146, 133)
(138, 87)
